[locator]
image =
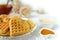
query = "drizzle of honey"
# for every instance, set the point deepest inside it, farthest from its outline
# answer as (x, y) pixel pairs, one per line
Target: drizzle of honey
(46, 32)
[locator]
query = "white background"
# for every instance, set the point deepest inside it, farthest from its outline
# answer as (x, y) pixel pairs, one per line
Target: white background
(52, 8)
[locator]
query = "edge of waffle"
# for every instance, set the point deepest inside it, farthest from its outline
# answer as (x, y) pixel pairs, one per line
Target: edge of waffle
(4, 17)
(4, 24)
(5, 34)
(31, 24)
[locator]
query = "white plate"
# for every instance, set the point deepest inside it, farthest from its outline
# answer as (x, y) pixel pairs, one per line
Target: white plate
(19, 37)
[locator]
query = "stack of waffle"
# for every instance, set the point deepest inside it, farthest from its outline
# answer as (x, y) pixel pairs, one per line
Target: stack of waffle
(14, 26)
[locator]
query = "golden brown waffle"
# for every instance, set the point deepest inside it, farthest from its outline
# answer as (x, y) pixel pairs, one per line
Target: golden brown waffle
(25, 27)
(31, 24)
(6, 34)
(4, 17)
(14, 26)
(4, 25)
(18, 27)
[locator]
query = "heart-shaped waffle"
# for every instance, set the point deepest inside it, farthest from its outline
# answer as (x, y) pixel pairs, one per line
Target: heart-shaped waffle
(18, 26)
(4, 25)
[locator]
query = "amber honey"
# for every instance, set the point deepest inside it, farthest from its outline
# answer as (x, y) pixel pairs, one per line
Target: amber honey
(5, 9)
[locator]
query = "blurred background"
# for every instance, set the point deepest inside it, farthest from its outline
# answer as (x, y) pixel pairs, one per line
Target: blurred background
(51, 7)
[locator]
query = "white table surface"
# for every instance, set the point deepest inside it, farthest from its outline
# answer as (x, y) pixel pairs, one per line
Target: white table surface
(52, 10)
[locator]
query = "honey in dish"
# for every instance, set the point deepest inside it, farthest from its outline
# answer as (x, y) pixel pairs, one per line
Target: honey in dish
(5, 9)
